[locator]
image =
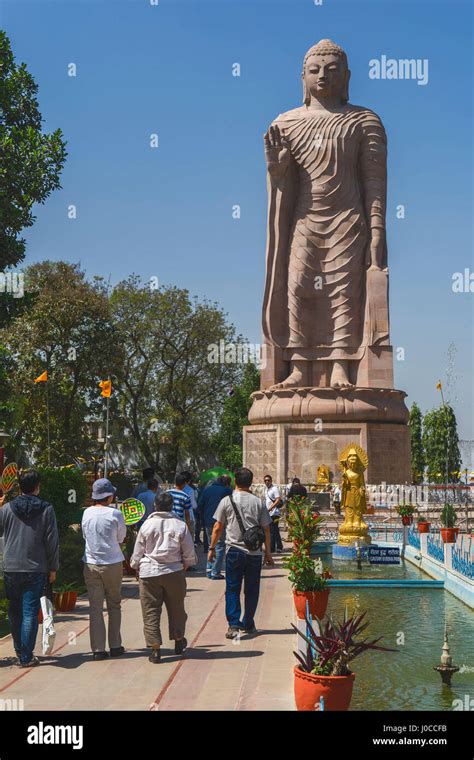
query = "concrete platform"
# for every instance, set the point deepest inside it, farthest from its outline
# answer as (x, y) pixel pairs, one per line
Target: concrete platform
(215, 674)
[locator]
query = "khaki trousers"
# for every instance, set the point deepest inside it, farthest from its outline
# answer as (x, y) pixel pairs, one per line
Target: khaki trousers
(169, 588)
(104, 582)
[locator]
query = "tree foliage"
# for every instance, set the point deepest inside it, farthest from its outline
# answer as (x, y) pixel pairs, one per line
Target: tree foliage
(31, 161)
(227, 442)
(418, 462)
(441, 444)
(170, 394)
(67, 331)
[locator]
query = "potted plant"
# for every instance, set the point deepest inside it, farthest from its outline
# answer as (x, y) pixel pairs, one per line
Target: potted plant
(448, 519)
(406, 513)
(304, 525)
(309, 584)
(323, 671)
(65, 598)
(423, 524)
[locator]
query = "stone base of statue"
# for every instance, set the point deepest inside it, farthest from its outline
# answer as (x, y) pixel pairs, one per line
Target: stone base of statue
(293, 430)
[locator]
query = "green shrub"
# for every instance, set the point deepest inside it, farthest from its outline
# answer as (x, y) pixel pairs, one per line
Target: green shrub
(65, 488)
(71, 551)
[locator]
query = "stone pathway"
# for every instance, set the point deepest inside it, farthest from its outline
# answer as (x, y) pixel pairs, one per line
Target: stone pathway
(215, 674)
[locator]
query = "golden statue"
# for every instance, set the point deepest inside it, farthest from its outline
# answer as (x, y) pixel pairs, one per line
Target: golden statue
(324, 476)
(353, 462)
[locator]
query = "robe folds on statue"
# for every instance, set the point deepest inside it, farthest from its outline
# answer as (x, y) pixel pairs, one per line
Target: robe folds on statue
(318, 236)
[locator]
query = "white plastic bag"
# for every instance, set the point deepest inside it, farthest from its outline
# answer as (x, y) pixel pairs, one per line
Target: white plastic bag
(49, 634)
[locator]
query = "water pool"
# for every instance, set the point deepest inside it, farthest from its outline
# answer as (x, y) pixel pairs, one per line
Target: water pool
(411, 620)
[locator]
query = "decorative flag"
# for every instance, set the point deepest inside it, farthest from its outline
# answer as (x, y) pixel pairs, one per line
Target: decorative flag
(132, 510)
(43, 377)
(106, 386)
(9, 477)
(439, 386)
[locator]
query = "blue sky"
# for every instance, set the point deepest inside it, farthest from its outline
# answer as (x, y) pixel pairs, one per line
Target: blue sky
(167, 212)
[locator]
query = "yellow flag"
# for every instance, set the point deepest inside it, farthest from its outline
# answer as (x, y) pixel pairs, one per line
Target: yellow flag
(43, 377)
(439, 386)
(106, 386)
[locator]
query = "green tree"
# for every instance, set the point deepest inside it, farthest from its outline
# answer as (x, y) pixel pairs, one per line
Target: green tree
(170, 392)
(67, 331)
(31, 161)
(227, 444)
(441, 444)
(418, 462)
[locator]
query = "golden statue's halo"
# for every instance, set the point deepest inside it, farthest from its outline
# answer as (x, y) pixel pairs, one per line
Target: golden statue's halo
(362, 455)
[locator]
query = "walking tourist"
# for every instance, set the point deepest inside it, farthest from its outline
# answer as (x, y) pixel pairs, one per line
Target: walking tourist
(238, 513)
(30, 559)
(148, 473)
(190, 491)
(104, 529)
(209, 500)
(148, 499)
(163, 550)
(182, 505)
(273, 503)
(296, 489)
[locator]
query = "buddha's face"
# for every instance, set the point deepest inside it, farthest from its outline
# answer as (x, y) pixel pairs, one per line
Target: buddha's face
(325, 75)
(352, 461)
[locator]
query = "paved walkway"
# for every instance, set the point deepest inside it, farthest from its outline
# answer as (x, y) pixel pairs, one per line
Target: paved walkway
(215, 674)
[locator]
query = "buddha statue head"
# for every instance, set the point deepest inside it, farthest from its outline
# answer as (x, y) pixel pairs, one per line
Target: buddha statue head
(325, 73)
(354, 458)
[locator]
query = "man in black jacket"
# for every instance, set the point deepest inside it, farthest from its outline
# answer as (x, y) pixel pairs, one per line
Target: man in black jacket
(30, 557)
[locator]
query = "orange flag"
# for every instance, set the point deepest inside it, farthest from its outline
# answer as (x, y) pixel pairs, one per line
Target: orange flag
(439, 386)
(43, 377)
(106, 386)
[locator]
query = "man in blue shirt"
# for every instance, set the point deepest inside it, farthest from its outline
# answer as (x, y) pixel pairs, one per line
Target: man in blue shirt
(148, 499)
(208, 502)
(182, 506)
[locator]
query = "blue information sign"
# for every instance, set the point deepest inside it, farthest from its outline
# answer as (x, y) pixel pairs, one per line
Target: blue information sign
(384, 555)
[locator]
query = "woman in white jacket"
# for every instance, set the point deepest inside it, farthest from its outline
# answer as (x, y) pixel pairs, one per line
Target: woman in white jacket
(163, 550)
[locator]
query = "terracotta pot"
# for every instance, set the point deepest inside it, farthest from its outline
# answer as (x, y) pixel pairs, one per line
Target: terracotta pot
(449, 535)
(317, 602)
(424, 527)
(335, 690)
(407, 519)
(64, 601)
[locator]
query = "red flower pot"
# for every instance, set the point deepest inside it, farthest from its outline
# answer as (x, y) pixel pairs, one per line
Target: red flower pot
(309, 688)
(449, 535)
(65, 601)
(317, 603)
(424, 527)
(407, 519)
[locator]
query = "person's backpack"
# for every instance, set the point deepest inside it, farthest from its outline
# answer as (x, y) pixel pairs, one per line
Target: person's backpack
(253, 537)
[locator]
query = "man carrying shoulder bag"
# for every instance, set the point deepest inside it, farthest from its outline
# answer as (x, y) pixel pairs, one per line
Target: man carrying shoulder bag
(247, 525)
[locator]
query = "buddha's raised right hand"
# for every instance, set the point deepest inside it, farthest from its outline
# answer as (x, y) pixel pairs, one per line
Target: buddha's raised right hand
(277, 152)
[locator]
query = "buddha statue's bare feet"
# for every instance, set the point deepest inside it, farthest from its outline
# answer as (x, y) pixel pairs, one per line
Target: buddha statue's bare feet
(294, 380)
(339, 375)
